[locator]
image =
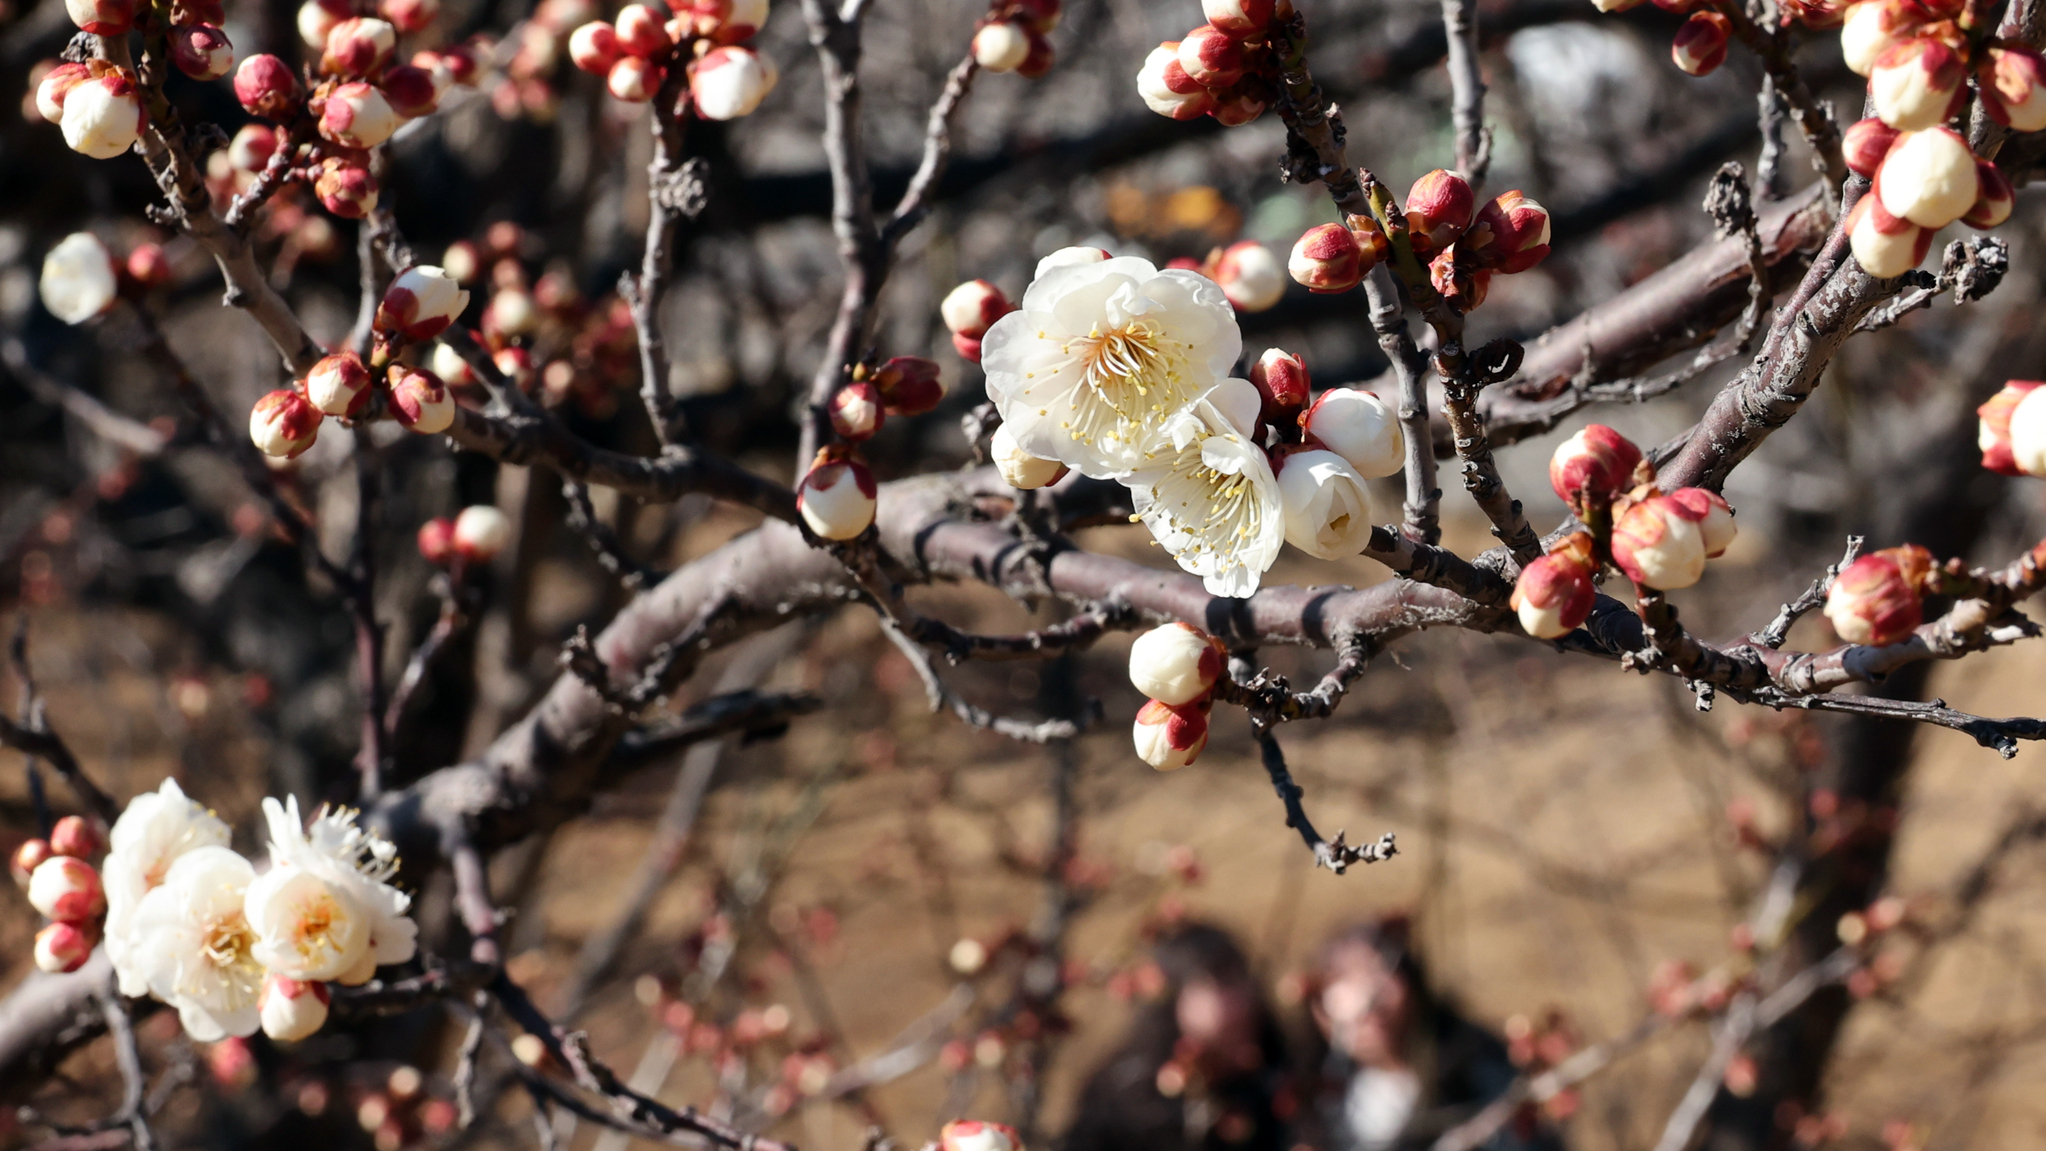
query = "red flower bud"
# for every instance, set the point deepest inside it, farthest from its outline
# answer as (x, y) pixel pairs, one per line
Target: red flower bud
(267, 87)
(358, 46)
(410, 90)
(1211, 57)
(480, 532)
(148, 266)
(972, 307)
(1713, 515)
(55, 85)
(1554, 594)
(1510, 234)
(1994, 197)
(1169, 737)
(837, 495)
(1250, 276)
(1167, 89)
(856, 411)
(283, 424)
(1994, 436)
(634, 79)
(1282, 384)
(339, 385)
(1658, 542)
(1917, 83)
(201, 51)
(345, 188)
(1866, 143)
(409, 15)
(437, 540)
(1597, 461)
(1438, 210)
(420, 401)
(1876, 599)
(1699, 47)
(356, 115)
(642, 32)
(1327, 258)
(1040, 59)
(102, 17)
(1242, 19)
(1240, 103)
(594, 47)
(2012, 81)
(77, 837)
(64, 947)
(1884, 245)
(66, 889)
(26, 858)
(909, 385)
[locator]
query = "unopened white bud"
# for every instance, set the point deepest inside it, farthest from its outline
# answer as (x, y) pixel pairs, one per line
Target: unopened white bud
(1169, 737)
(292, 1009)
(358, 116)
(481, 531)
(1251, 276)
(1001, 47)
(1019, 468)
(975, 1135)
(1327, 506)
(67, 889)
(837, 497)
(339, 385)
(1176, 663)
(1928, 178)
(727, 83)
(78, 280)
(283, 424)
(63, 947)
(1658, 544)
(2028, 434)
(1359, 427)
(420, 303)
(102, 116)
(972, 307)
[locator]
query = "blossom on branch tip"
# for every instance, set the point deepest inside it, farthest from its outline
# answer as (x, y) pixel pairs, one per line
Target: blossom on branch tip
(1657, 541)
(856, 412)
(1994, 427)
(1282, 383)
(634, 80)
(345, 188)
(1876, 599)
(1359, 427)
(908, 385)
(267, 87)
(1327, 259)
(78, 280)
(1994, 197)
(1554, 594)
(1714, 517)
(153, 832)
(1884, 245)
(1865, 144)
(201, 51)
(102, 17)
(975, 1135)
(1250, 276)
(1019, 469)
(339, 385)
(63, 947)
(1242, 19)
(67, 889)
(480, 532)
(1326, 505)
(1205, 489)
(283, 424)
(1595, 460)
(594, 47)
(1176, 663)
(2027, 429)
(1699, 47)
(1928, 178)
(1917, 83)
(102, 115)
(292, 1009)
(1167, 89)
(420, 401)
(2012, 81)
(358, 46)
(969, 309)
(1001, 46)
(193, 944)
(356, 115)
(420, 304)
(326, 909)
(730, 82)
(837, 495)
(1169, 737)
(1439, 208)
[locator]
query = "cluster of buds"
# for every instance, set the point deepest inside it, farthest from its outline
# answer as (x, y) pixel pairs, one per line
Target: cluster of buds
(1226, 68)
(838, 494)
(63, 885)
(2013, 429)
(1011, 37)
(1879, 598)
(1246, 271)
(1177, 666)
(1462, 243)
(98, 106)
(636, 53)
(1925, 179)
(473, 537)
(969, 310)
(81, 279)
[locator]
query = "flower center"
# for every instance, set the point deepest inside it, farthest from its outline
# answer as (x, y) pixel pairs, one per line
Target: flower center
(228, 942)
(1216, 509)
(1132, 373)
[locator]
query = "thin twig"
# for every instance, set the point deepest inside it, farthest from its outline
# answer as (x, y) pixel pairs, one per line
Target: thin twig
(1338, 856)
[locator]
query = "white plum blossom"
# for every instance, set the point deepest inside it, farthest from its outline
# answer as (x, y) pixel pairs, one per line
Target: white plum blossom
(1101, 355)
(157, 828)
(193, 944)
(1207, 493)
(325, 910)
(78, 280)
(1327, 506)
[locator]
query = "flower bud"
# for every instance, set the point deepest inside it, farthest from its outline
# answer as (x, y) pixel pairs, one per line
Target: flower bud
(1884, 245)
(2013, 86)
(1167, 89)
(356, 115)
(517, 365)
(1597, 459)
(856, 411)
(1876, 600)
(1169, 737)
(1438, 210)
(974, 1135)
(437, 540)
(1714, 517)
(1609, 6)
(78, 280)
(77, 836)
(1327, 508)
(1869, 30)
(463, 61)
(1994, 197)
(283, 424)
(148, 266)
(837, 495)
(1928, 178)
(64, 947)
(909, 385)
(252, 147)
(1510, 234)
(316, 20)
(201, 51)
(1916, 83)
(358, 46)
(1359, 427)
(727, 83)
(1282, 383)
(55, 85)
(1554, 594)
(345, 188)
(102, 17)
(291, 1009)
(970, 308)
(410, 90)
(1242, 19)
(267, 87)
(1001, 46)
(26, 858)
(1658, 543)
(102, 116)
(635, 80)
(1211, 57)
(1866, 143)
(1020, 469)
(1699, 46)
(449, 365)
(724, 21)
(2028, 434)
(339, 385)
(1176, 663)
(594, 47)
(1250, 276)
(1040, 59)
(409, 15)
(480, 532)
(66, 889)
(1327, 258)
(420, 304)
(510, 313)
(1994, 430)
(642, 32)
(420, 401)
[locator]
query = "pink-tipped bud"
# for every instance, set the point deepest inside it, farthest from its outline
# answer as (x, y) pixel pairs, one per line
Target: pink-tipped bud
(437, 541)
(1866, 143)
(67, 889)
(1928, 178)
(77, 837)
(2013, 85)
(594, 47)
(909, 385)
(291, 1009)
(1876, 600)
(1327, 258)
(339, 385)
(1699, 47)
(1001, 46)
(1439, 208)
(1510, 234)
(1597, 461)
(1884, 245)
(1282, 384)
(642, 31)
(2028, 434)
(463, 62)
(1554, 594)
(1040, 59)
(283, 424)
(102, 17)
(147, 265)
(1359, 427)
(1917, 83)
(267, 87)
(1168, 90)
(1250, 276)
(1169, 737)
(345, 188)
(410, 90)
(201, 51)
(511, 313)
(358, 46)
(1211, 57)
(64, 947)
(1994, 197)
(1242, 19)
(1020, 469)
(252, 147)
(1658, 543)
(356, 115)
(420, 401)
(634, 80)
(727, 83)
(1240, 103)
(1177, 663)
(837, 495)
(856, 412)
(972, 307)
(26, 858)
(481, 532)
(316, 20)
(1713, 515)
(1869, 29)
(409, 15)
(974, 1135)
(1994, 434)
(420, 304)
(56, 84)
(102, 116)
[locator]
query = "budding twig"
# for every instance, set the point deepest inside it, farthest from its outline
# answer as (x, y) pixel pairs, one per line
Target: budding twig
(1778, 629)
(1338, 856)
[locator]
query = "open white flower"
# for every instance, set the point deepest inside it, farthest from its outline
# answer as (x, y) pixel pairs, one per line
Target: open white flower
(1207, 493)
(325, 910)
(194, 945)
(1101, 355)
(158, 827)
